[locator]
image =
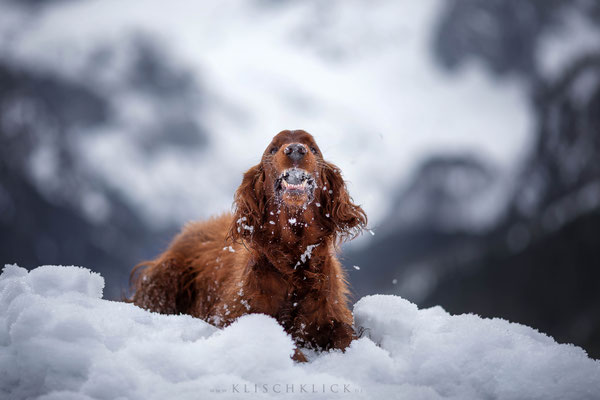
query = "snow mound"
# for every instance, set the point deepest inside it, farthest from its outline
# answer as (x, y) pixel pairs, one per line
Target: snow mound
(60, 340)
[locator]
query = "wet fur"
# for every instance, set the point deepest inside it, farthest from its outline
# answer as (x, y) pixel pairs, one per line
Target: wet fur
(221, 268)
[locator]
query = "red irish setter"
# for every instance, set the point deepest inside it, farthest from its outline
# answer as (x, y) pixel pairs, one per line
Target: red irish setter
(275, 255)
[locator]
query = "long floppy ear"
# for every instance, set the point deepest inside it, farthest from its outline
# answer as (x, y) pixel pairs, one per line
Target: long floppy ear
(249, 203)
(344, 217)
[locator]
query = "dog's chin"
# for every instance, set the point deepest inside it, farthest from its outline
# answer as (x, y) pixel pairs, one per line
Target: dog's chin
(295, 200)
(295, 187)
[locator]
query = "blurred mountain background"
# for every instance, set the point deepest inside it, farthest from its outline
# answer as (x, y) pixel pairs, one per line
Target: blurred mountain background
(469, 130)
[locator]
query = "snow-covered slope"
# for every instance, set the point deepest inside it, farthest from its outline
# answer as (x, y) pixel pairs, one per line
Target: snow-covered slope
(60, 340)
(358, 75)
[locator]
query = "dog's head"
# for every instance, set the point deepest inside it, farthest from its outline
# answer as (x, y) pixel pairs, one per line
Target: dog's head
(291, 165)
(293, 178)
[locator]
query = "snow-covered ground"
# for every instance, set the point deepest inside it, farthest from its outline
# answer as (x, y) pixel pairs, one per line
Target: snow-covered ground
(60, 340)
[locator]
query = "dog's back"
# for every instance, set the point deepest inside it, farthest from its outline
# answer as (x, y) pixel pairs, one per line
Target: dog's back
(197, 260)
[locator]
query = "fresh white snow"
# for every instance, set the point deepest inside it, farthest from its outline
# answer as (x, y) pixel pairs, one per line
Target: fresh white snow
(60, 340)
(306, 255)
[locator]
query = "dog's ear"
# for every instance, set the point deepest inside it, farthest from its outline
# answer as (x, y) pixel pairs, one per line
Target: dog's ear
(339, 212)
(249, 205)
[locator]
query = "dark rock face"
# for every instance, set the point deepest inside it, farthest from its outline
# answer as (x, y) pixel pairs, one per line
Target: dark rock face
(37, 226)
(565, 159)
(53, 208)
(539, 264)
(503, 33)
(550, 279)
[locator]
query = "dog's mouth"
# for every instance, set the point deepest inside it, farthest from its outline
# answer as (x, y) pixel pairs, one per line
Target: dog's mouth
(295, 183)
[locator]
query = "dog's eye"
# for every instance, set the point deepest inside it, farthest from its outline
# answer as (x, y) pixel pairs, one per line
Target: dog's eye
(273, 150)
(313, 149)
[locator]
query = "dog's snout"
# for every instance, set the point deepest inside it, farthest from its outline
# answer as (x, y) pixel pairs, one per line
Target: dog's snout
(295, 151)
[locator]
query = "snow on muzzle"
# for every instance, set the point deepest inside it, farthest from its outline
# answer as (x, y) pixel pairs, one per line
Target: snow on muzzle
(295, 181)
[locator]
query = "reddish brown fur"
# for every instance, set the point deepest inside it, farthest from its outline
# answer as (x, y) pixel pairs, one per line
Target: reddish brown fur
(199, 274)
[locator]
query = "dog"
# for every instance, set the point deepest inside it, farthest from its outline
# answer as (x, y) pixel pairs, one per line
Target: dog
(276, 254)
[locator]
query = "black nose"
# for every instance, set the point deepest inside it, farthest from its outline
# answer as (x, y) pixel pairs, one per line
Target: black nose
(295, 151)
